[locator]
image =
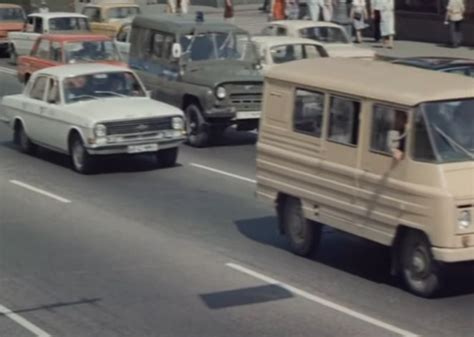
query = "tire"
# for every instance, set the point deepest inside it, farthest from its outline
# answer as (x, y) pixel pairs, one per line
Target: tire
(420, 272)
(82, 161)
(12, 56)
(21, 139)
(304, 235)
(168, 157)
(198, 136)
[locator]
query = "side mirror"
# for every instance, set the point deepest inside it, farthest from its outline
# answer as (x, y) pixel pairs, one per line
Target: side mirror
(176, 51)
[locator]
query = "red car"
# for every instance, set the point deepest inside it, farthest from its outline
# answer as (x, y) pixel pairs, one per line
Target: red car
(54, 50)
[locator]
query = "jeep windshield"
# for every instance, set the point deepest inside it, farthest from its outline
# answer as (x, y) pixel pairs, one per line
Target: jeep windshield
(444, 131)
(102, 85)
(217, 46)
(122, 12)
(12, 14)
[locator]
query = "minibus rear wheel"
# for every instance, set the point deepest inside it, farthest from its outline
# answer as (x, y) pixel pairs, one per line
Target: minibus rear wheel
(420, 271)
(304, 235)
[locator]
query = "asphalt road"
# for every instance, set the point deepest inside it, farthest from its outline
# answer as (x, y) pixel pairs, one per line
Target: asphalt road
(187, 251)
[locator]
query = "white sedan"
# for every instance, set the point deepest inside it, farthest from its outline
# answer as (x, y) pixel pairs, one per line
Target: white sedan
(89, 110)
(281, 49)
(332, 36)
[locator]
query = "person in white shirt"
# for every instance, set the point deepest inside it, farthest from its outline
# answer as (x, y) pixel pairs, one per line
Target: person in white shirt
(387, 22)
(314, 8)
(454, 17)
(359, 16)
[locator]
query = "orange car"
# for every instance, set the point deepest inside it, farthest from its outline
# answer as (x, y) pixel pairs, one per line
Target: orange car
(54, 50)
(12, 19)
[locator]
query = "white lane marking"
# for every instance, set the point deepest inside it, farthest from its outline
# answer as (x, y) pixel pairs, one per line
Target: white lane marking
(23, 322)
(40, 191)
(8, 71)
(322, 301)
(253, 181)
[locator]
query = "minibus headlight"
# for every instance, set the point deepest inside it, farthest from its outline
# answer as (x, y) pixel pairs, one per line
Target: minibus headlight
(221, 92)
(100, 130)
(464, 219)
(177, 123)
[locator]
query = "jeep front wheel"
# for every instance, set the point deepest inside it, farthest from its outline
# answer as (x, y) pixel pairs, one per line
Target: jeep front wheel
(195, 126)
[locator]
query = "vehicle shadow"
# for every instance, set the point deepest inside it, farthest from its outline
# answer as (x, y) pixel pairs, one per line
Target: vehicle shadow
(233, 137)
(104, 165)
(354, 255)
(54, 306)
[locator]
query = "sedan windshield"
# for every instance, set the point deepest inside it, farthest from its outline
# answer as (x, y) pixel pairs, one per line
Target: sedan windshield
(68, 23)
(12, 14)
(101, 85)
(293, 52)
(218, 46)
(90, 51)
(325, 34)
(445, 131)
(122, 12)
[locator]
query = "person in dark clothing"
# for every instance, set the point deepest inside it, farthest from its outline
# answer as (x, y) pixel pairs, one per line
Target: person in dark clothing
(265, 5)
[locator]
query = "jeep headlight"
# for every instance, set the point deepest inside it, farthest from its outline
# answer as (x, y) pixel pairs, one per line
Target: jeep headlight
(221, 92)
(177, 123)
(100, 130)
(464, 219)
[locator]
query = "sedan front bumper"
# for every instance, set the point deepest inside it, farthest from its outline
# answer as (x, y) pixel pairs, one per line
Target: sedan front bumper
(137, 147)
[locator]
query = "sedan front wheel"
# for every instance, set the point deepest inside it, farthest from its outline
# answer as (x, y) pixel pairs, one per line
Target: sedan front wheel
(82, 161)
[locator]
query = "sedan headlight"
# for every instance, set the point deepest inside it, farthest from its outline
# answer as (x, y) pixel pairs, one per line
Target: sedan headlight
(177, 123)
(464, 219)
(221, 92)
(100, 130)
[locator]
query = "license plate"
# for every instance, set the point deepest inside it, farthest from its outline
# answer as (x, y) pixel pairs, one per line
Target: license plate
(248, 114)
(142, 148)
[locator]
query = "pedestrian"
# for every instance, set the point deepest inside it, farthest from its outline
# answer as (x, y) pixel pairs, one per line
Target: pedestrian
(292, 9)
(265, 5)
(376, 6)
(229, 11)
(43, 7)
(328, 10)
(278, 10)
(184, 6)
(387, 22)
(314, 9)
(171, 6)
(454, 17)
(358, 16)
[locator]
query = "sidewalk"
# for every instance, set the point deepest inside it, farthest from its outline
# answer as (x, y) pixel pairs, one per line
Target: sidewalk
(252, 20)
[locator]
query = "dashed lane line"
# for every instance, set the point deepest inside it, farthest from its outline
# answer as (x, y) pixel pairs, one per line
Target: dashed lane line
(322, 301)
(228, 174)
(40, 191)
(23, 322)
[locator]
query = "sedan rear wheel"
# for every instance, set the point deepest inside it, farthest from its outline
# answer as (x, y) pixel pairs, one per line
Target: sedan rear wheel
(23, 141)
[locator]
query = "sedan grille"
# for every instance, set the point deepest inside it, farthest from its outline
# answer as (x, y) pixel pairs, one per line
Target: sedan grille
(139, 126)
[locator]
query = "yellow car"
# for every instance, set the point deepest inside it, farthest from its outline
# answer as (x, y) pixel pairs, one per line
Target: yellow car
(107, 18)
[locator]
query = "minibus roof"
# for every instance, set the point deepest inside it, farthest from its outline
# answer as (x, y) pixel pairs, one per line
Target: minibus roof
(376, 80)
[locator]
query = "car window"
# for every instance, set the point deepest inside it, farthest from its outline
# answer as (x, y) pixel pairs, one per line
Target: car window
(157, 45)
(344, 120)
(38, 88)
(30, 24)
(293, 52)
(281, 31)
(325, 34)
(93, 13)
(53, 96)
(269, 30)
(308, 112)
(386, 120)
(43, 49)
(68, 24)
(460, 71)
(55, 52)
(122, 12)
(124, 33)
(38, 25)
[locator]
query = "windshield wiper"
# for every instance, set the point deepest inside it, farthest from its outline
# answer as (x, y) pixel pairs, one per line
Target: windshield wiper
(109, 93)
(453, 143)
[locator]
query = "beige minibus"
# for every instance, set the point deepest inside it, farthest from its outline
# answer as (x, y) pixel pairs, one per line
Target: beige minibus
(379, 150)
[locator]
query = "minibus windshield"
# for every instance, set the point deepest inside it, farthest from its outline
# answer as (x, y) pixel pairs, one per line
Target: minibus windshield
(449, 127)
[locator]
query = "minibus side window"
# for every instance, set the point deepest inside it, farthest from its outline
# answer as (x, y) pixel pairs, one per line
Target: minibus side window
(344, 120)
(386, 119)
(141, 43)
(422, 147)
(308, 112)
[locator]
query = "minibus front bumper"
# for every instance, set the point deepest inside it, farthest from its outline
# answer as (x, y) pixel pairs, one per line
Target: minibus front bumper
(453, 254)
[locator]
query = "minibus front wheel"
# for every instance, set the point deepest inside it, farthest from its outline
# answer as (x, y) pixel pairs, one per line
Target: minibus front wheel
(421, 273)
(304, 235)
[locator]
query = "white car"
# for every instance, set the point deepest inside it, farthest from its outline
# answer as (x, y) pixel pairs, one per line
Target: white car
(281, 49)
(37, 24)
(122, 39)
(332, 36)
(89, 110)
